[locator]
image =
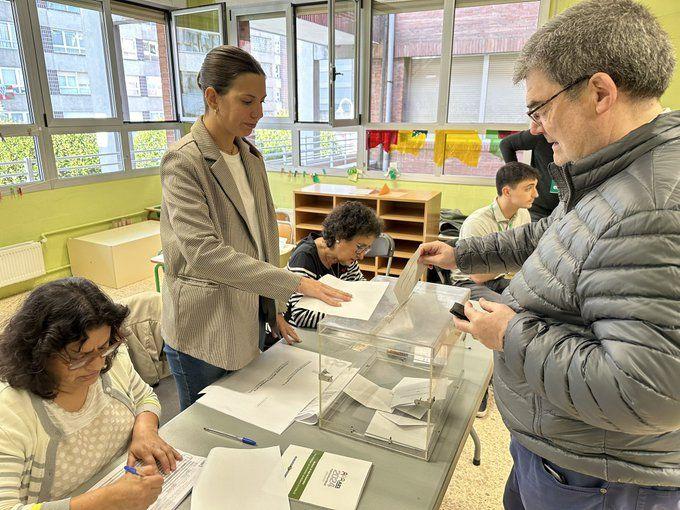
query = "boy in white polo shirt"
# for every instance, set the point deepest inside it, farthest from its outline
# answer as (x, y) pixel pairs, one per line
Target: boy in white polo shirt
(516, 186)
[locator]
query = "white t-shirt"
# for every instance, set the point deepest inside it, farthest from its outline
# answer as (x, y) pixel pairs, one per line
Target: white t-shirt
(238, 172)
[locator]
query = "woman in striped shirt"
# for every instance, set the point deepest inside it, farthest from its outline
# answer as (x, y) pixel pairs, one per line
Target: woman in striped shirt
(348, 233)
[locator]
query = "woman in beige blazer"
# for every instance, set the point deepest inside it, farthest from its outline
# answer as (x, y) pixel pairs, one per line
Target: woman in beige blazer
(219, 234)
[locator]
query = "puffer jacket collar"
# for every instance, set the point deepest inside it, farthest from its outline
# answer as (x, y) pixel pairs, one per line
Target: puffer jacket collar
(575, 179)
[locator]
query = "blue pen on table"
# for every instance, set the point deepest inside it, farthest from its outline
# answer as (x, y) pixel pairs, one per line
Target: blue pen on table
(131, 470)
(245, 440)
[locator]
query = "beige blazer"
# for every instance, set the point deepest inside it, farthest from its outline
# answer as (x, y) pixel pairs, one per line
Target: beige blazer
(213, 278)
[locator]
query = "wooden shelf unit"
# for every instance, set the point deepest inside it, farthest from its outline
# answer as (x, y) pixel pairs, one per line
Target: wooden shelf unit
(411, 217)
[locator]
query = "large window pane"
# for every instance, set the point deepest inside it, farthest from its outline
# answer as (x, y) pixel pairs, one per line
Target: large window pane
(18, 161)
(312, 63)
(345, 22)
(14, 104)
(76, 60)
(276, 146)
(328, 148)
(265, 39)
(146, 68)
(405, 63)
(87, 153)
(196, 34)
(486, 42)
(148, 147)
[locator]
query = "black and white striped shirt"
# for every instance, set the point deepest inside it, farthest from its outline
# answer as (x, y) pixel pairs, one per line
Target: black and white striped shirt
(305, 261)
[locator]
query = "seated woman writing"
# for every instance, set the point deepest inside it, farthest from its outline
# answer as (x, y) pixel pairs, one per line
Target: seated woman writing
(71, 402)
(348, 233)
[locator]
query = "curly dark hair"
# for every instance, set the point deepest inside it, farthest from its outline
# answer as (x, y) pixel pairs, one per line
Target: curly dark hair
(52, 316)
(349, 220)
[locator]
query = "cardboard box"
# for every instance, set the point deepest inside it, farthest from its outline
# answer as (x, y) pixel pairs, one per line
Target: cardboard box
(116, 257)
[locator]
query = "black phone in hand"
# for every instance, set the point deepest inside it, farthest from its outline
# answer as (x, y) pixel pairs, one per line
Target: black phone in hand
(458, 311)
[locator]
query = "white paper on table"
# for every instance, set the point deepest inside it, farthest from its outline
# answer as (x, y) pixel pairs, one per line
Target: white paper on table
(330, 481)
(410, 389)
(408, 278)
(369, 394)
(270, 391)
(382, 428)
(177, 484)
(365, 298)
(246, 478)
(330, 391)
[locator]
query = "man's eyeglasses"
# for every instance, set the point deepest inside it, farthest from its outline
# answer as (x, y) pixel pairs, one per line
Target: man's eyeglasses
(536, 116)
(84, 360)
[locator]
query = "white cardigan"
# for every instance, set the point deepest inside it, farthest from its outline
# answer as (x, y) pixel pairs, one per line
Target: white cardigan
(29, 439)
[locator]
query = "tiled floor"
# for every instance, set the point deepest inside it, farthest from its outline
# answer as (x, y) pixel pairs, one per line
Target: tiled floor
(472, 487)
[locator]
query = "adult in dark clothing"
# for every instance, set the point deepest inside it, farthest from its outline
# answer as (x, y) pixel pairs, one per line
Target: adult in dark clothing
(587, 341)
(541, 157)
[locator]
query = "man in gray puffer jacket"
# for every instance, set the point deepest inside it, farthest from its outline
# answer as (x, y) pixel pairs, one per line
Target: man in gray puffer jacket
(587, 365)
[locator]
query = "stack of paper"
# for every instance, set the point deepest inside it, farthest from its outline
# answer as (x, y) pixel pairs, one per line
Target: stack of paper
(248, 478)
(176, 485)
(398, 429)
(271, 391)
(330, 391)
(324, 479)
(392, 427)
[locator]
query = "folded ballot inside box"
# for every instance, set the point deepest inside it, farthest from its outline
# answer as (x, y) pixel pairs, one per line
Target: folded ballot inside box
(405, 364)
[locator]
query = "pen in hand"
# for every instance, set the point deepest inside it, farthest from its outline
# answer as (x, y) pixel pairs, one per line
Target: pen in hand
(244, 440)
(131, 470)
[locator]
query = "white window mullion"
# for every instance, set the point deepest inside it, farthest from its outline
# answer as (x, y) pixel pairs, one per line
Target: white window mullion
(445, 68)
(484, 89)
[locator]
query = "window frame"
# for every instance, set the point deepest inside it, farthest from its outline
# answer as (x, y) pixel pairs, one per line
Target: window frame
(221, 16)
(443, 95)
(332, 67)
(44, 126)
(110, 66)
(268, 11)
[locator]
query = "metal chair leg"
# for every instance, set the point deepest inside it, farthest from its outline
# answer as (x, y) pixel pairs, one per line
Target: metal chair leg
(477, 458)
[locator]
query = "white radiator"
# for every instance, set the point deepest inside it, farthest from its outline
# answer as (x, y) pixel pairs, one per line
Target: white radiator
(21, 262)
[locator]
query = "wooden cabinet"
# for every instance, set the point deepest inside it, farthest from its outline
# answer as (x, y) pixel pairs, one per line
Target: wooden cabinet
(411, 217)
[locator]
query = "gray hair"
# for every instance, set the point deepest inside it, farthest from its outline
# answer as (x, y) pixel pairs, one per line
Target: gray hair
(618, 37)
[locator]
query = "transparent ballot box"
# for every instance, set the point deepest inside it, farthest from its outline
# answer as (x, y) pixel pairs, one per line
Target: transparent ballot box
(389, 380)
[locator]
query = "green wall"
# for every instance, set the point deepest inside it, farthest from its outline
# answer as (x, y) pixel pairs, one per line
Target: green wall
(24, 219)
(454, 196)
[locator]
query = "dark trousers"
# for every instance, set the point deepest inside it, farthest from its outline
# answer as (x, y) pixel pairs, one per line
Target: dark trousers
(192, 375)
(530, 486)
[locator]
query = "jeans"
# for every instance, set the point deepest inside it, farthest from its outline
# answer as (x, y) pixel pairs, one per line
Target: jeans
(530, 486)
(192, 374)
